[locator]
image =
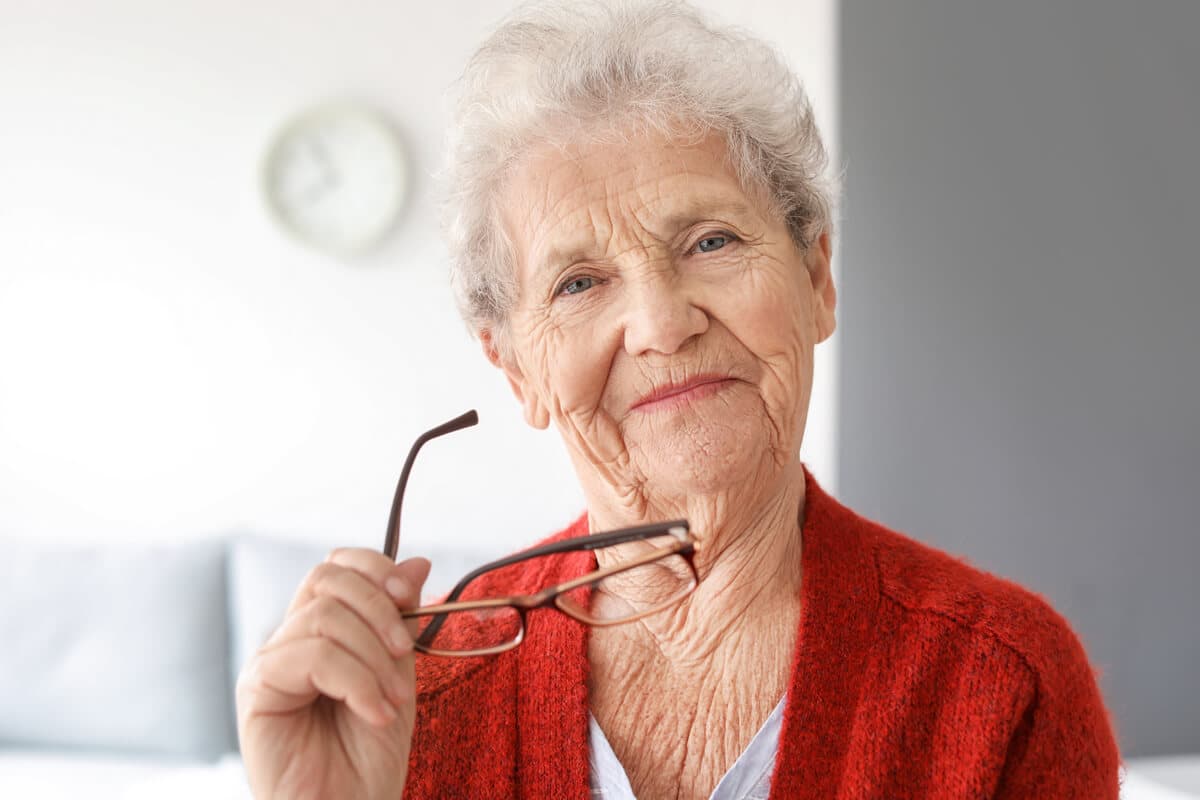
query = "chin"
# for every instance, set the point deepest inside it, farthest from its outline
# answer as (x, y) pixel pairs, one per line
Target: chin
(707, 458)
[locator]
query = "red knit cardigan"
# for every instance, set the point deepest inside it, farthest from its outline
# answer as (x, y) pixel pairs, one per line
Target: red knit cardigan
(916, 675)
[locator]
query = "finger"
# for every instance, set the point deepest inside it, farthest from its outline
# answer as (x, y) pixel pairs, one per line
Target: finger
(357, 593)
(405, 582)
(376, 568)
(402, 581)
(294, 674)
(404, 588)
(327, 617)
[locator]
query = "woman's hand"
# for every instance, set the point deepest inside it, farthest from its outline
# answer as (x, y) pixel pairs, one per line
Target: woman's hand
(326, 707)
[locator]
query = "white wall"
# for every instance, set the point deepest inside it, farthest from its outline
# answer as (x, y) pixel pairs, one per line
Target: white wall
(172, 365)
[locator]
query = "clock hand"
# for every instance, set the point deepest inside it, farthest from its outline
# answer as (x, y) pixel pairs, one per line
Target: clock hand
(328, 174)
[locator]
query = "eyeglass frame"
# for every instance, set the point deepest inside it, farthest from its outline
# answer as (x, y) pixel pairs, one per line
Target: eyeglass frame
(683, 546)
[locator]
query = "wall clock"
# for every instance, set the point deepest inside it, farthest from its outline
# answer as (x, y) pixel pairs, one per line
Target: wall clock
(336, 177)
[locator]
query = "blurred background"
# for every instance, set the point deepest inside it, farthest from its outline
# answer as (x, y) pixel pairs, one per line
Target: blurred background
(186, 380)
(174, 363)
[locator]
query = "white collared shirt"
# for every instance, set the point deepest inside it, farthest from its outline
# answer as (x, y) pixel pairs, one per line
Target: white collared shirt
(748, 779)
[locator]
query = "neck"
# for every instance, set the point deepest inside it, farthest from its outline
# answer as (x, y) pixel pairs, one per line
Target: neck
(748, 560)
(716, 664)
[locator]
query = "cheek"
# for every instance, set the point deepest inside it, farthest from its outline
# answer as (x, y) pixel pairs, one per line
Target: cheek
(572, 364)
(769, 313)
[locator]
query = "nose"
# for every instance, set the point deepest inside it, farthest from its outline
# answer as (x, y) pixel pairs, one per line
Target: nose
(661, 316)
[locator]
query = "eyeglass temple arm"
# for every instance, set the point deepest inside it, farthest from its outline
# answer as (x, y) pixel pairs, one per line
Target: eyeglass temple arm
(392, 541)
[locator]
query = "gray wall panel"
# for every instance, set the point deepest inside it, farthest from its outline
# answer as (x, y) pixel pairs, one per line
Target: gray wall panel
(1020, 350)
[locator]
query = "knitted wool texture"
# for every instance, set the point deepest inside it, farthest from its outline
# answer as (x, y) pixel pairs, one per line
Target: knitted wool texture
(915, 675)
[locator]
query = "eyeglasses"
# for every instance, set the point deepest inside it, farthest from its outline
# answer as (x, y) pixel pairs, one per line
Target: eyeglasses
(660, 574)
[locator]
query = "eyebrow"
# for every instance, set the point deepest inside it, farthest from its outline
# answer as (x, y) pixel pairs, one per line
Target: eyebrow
(579, 248)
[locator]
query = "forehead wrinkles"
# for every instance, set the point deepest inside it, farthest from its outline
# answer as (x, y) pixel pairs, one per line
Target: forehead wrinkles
(548, 195)
(568, 204)
(598, 209)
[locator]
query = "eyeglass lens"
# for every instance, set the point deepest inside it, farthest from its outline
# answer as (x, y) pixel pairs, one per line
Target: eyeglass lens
(626, 595)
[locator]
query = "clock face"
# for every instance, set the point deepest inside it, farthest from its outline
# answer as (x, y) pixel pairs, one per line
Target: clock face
(335, 177)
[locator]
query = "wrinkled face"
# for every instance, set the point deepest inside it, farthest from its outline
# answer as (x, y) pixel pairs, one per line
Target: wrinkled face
(665, 321)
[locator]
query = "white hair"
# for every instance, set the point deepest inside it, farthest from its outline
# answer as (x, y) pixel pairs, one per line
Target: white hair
(554, 72)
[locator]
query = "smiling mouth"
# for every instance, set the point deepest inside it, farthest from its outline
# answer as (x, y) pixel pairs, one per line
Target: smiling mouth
(679, 395)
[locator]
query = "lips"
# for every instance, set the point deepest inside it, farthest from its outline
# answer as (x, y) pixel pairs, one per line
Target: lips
(693, 388)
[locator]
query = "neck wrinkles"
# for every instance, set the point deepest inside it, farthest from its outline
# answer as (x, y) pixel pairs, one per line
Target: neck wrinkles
(748, 558)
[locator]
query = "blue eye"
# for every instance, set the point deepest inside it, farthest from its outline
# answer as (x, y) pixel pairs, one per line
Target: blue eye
(576, 285)
(710, 243)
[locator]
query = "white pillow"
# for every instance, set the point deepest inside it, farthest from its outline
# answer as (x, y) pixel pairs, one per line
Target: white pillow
(118, 647)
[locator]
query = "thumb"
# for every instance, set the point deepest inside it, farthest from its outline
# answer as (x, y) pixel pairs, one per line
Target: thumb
(415, 571)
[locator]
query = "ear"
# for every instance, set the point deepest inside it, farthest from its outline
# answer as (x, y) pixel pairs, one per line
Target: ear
(536, 414)
(820, 273)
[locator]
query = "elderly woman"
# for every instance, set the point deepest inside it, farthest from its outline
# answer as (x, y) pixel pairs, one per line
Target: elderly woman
(640, 235)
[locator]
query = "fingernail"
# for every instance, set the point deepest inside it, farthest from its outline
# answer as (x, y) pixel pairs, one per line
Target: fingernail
(400, 640)
(388, 712)
(397, 588)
